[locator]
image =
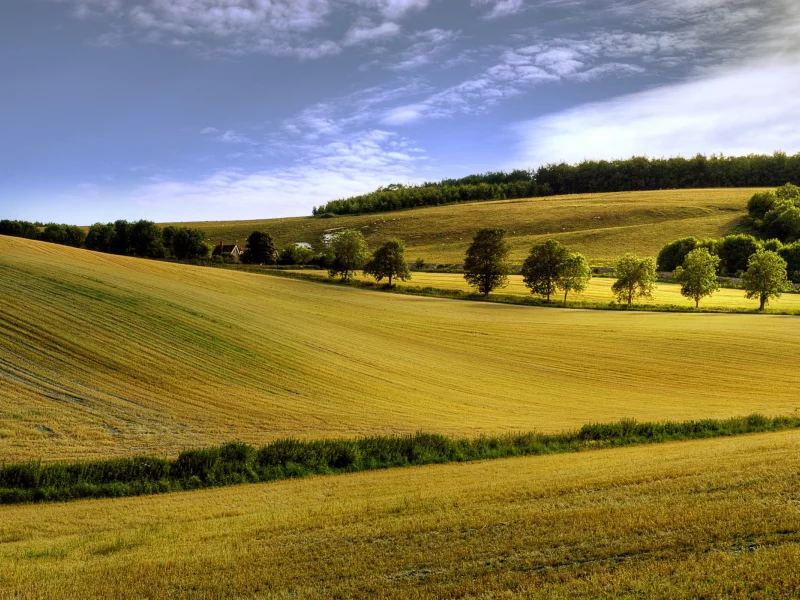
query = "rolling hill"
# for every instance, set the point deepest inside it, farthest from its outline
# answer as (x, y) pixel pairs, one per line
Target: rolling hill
(104, 355)
(703, 519)
(602, 226)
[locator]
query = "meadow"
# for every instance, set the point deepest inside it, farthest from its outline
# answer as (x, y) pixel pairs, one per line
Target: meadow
(601, 226)
(712, 518)
(598, 291)
(104, 355)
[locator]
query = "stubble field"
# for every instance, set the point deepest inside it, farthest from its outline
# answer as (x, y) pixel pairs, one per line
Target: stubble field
(103, 355)
(714, 518)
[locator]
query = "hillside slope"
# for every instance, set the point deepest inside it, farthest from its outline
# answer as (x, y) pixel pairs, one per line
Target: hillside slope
(602, 226)
(704, 519)
(104, 355)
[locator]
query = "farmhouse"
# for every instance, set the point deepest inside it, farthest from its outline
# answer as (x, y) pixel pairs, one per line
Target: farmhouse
(223, 249)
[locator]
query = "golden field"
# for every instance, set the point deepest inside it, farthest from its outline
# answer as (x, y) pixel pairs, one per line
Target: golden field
(103, 355)
(597, 291)
(601, 226)
(712, 519)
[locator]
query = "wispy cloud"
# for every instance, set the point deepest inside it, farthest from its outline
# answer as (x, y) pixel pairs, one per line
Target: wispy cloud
(752, 109)
(425, 47)
(354, 164)
(301, 28)
(649, 36)
(500, 8)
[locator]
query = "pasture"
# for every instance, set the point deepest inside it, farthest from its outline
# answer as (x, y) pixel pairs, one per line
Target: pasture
(104, 355)
(601, 226)
(598, 291)
(713, 518)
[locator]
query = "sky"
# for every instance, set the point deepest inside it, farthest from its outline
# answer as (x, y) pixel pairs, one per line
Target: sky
(191, 110)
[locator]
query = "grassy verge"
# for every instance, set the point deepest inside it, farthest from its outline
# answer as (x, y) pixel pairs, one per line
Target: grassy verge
(237, 463)
(499, 298)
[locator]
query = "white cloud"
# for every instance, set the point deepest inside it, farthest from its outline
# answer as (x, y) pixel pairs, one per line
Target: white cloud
(365, 31)
(500, 8)
(750, 109)
(427, 45)
(299, 28)
(356, 164)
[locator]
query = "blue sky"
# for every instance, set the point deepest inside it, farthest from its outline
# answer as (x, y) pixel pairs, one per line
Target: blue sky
(233, 109)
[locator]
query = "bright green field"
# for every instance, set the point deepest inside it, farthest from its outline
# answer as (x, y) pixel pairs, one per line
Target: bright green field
(599, 290)
(602, 226)
(107, 355)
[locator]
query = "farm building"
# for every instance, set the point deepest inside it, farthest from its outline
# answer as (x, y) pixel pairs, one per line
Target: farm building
(223, 249)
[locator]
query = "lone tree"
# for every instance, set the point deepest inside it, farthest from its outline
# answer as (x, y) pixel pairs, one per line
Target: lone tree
(389, 260)
(544, 268)
(765, 277)
(348, 251)
(698, 275)
(576, 274)
(260, 249)
(485, 264)
(636, 278)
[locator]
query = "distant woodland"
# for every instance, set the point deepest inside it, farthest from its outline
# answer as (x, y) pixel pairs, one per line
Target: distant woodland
(635, 174)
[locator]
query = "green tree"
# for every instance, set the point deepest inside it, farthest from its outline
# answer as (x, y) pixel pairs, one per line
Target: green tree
(698, 275)
(485, 265)
(673, 254)
(101, 237)
(791, 254)
(260, 249)
(348, 251)
(295, 254)
(734, 251)
(765, 277)
(576, 274)
(144, 238)
(186, 243)
(544, 267)
(636, 278)
(389, 260)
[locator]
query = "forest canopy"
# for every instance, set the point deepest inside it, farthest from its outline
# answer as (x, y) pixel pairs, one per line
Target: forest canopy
(634, 174)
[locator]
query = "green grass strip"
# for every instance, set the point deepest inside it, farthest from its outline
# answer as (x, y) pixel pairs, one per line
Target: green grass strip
(237, 463)
(499, 298)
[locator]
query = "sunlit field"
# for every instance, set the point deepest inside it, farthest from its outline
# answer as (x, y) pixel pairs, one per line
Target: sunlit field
(715, 518)
(599, 291)
(601, 226)
(104, 355)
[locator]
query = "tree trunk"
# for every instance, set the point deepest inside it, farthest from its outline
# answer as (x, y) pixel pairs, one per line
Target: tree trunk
(697, 302)
(565, 297)
(630, 296)
(390, 280)
(763, 301)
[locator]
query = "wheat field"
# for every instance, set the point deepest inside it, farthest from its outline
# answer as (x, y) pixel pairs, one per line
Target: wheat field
(601, 226)
(713, 518)
(103, 355)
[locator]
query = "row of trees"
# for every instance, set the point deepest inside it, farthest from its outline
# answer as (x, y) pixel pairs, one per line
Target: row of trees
(776, 214)
(638, 173)
(146, 239)
(55, 233)
(550, 268)
(734, 251)
(140, 238)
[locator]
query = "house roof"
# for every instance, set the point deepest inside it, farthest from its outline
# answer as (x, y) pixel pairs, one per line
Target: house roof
(225, 248)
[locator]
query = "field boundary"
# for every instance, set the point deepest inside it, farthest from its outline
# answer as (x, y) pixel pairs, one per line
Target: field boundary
(433, 292)
(238, 463)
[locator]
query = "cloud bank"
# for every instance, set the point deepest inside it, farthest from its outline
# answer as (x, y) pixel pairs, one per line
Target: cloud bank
(752, 109)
